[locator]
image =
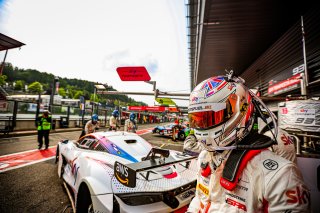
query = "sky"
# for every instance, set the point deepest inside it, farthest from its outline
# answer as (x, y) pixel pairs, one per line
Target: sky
(88, 40)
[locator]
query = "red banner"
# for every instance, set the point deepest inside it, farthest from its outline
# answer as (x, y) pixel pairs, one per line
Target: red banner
(285, 85)
(153, 108)
(133, 74)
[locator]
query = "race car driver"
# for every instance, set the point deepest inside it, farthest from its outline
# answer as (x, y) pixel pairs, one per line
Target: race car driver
(236, 171)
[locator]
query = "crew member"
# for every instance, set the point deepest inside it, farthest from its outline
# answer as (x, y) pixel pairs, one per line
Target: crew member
(44, 126)
(91, 125)
(236, 173)
(131, 124)
(113, 122)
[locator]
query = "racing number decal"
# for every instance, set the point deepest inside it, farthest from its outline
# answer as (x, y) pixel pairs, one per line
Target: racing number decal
(305, 120)
(125, 175)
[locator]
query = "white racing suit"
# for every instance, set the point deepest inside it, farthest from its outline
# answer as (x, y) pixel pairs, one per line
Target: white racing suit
(130, 126)
(90, 127)
(113, 123)
(285, 147)
(265, 182)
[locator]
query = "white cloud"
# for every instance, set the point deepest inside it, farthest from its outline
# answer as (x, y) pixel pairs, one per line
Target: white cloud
(89, 39)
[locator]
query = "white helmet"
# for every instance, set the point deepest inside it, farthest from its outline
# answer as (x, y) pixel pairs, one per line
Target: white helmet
(220, 111)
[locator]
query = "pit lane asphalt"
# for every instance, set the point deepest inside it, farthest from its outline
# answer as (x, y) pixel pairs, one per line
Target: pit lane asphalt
(37, 188)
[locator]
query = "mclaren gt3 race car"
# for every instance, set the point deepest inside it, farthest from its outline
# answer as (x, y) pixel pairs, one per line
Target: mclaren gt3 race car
(121, 172)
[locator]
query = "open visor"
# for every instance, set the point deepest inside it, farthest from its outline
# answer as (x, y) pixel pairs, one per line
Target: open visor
(208, 115)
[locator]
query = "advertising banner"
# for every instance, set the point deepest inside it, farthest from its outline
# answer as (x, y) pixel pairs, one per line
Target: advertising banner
(301, 115)
(153, 108)
(285, 85)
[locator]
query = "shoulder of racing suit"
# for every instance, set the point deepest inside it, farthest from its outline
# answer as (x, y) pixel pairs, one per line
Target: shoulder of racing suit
(238, 160)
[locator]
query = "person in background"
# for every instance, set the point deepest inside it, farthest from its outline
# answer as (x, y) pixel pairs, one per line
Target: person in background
(44, 127)
(113, 122)
(91, 125)
(236, 171)
(131, 124)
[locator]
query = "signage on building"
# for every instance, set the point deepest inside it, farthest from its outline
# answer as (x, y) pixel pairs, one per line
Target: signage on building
(299, 69)
(153, 108)
(133, 74)
(285, 85)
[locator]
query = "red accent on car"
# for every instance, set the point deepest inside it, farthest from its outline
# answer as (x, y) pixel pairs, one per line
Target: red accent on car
(231, 185)
(182, 210)
(172, 175)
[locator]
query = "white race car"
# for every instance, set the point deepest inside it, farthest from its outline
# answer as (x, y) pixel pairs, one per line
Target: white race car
(121, 172)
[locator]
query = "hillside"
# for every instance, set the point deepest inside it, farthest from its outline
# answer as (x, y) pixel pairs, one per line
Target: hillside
(68, 88)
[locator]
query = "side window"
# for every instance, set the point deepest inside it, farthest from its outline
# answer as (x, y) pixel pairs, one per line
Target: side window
(87, 142)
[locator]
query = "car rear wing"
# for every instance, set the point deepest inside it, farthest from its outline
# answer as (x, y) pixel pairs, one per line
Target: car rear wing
(126, 173)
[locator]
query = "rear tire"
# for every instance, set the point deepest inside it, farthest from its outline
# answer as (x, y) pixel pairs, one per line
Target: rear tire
(84, 202)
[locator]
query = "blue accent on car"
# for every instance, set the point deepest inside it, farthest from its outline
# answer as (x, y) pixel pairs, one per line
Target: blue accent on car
(115, 150)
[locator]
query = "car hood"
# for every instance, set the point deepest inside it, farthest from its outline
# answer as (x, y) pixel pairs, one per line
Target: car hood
(127, 145)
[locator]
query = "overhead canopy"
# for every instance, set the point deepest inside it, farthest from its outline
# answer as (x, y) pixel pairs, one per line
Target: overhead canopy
(229, 34)
(8, 43)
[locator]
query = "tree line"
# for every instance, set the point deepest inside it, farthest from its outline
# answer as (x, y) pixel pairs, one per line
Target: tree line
(32, 81)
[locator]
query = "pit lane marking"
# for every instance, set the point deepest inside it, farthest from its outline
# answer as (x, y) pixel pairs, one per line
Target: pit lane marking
(25, 158)
(20, 159)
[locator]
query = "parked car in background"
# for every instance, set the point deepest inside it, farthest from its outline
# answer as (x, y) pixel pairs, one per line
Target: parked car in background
(158, 129)
(181, 130)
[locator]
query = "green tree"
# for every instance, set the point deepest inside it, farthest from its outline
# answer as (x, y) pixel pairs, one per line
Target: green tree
(62, 92)
(3, 79)
(78, 94)
(35, 87)
(19, 85)
(95, 99)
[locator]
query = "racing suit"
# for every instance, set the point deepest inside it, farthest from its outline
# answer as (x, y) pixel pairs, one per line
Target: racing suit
(285, 147)
(130, 126)
(265, 182)
(113, 123)
(90, 127)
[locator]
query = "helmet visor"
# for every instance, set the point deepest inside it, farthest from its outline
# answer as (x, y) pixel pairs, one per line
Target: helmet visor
(205, 116)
